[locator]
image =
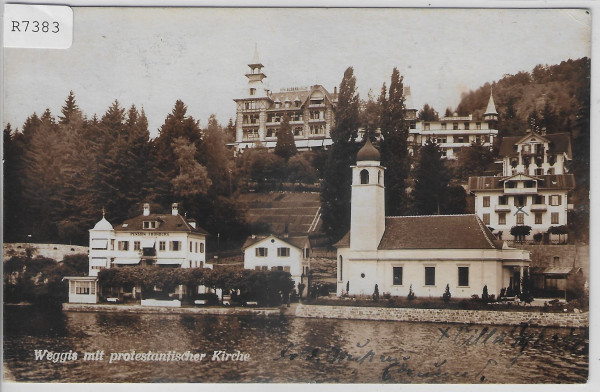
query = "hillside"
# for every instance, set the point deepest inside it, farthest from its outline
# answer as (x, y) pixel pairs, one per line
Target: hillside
(552, 94)
(270, 212)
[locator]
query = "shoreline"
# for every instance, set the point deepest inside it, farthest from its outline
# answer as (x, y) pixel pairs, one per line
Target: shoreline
(451, 316)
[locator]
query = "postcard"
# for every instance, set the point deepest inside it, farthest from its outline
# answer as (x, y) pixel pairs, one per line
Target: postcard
(217, 195)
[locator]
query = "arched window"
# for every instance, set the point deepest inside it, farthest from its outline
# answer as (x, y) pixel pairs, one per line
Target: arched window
(379, 178)
(341, 267)
(364, 176)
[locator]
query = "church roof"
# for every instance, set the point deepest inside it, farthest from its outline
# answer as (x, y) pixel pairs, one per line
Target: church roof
(433, 232)
(368, 152)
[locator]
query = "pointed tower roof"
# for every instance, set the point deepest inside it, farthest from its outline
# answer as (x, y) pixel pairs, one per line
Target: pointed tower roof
(255, 60)
(408, 101)
(368, 152)
(491, 107)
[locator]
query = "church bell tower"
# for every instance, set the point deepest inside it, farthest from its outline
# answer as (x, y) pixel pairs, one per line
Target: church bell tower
(367, 222)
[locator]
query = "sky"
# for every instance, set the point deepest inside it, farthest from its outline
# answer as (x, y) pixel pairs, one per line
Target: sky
(151, 57)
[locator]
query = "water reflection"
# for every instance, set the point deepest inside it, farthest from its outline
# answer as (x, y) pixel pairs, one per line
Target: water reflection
(289, 349)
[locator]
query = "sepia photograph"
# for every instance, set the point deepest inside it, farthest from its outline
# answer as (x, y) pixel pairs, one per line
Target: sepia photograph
(296, 195)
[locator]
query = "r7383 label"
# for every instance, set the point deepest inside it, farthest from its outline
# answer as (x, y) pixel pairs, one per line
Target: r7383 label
(35, 26)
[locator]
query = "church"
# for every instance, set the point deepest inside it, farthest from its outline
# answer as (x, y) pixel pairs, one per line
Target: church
(423, 252)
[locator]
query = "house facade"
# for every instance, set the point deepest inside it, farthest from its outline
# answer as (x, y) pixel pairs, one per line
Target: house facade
(259, 113)
(533, 190)
(167, 240)
(279, 253)
(422, 252)
(455, 132)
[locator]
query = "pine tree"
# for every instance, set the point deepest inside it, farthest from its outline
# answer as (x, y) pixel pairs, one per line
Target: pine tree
(217, 158)
(428, 113)
(394, 153)
(177, 124)
(431, 180)
(286, 147)
(335, 188)
(69, 109)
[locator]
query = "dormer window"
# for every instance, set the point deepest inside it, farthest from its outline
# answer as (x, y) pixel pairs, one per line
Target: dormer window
(150, 224)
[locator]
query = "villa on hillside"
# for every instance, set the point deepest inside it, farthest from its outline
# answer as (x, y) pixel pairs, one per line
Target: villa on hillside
(533, 188)
(422, 252)
(164, 240)
(455, 132)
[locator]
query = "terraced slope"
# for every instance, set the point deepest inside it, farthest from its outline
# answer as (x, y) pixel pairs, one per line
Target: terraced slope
(299, 211)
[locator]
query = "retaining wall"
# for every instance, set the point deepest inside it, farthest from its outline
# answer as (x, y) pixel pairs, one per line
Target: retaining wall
(577, 320)
(169, 310)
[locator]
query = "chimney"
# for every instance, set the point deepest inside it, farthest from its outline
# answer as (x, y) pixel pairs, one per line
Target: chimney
(174, 209)
(146, 209)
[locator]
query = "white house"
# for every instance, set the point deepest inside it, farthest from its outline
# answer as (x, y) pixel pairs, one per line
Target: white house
(165, 240)
(455, 132)
(534, 186)
(168, 240)
(271, 253)
(425, 252)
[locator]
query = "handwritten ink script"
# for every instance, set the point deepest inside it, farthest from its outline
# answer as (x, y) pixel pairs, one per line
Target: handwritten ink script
(394, 367)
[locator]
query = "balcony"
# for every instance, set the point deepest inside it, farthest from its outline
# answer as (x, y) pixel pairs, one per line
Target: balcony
(538, 207)
(502, 208)
(316, 120)
(520, 191)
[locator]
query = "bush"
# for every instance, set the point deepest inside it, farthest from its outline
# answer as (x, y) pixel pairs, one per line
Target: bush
(537, 237)
(484, 295)
(411, 294)
(446, 296)
(376, 293)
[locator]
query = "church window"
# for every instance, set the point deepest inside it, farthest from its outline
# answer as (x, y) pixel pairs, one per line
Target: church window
(364, 176)
(379, 178)
(341, 267)
(202, 247)
(463, 276)
(397, 276)
(429, 276)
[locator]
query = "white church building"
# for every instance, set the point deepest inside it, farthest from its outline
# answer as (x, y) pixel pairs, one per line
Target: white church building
(425, 252)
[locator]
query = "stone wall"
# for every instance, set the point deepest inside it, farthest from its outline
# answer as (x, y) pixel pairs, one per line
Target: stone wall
(53, 251)
(170, 310)
(577, 320)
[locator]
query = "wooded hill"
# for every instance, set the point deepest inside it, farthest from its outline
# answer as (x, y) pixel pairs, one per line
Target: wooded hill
(550, 95)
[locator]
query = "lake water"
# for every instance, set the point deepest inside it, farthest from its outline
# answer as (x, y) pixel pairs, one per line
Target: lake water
(284, 349)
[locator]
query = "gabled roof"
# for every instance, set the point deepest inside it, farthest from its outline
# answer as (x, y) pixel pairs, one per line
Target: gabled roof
(433, 232)
(300, 95)
(168, 222)
(559, 143)
(295, 241)
(550, 181)
(521, 177)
